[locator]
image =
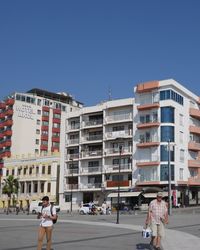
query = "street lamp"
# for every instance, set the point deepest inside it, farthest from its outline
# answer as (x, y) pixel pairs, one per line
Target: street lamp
(169, 180)
(71, 184)
(118, 195)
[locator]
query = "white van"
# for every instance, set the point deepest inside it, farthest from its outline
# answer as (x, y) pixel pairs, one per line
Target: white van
(36, 207)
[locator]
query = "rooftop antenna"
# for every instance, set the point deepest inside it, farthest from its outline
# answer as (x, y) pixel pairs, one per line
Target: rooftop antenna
(109, 94)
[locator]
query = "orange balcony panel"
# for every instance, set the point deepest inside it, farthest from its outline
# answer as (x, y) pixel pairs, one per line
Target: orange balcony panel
(2, 105)
(2, 124)
(56, 120)
(147, 183)
(194, 129)
(194, 181)
(8, 133)
(44, 147)
(55, 139)
(148, 125)
(1, 145)
(7, 154)
(194, 146)
(10, 101)
(44, 137)
(148, 106)
(182, 183)
(148, 163)
(56, 130)
(45, 118)
(57, 111)
(46, 128)
(8, 143)
(195, 113)
(44, 108)
(148, 144)
(1, 135)
(147, 86)
(2, 115)
(116, 183)
(194, 163)
(54, 149)
(1, 165)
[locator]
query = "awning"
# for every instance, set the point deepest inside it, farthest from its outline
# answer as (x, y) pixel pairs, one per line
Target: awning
(124, 194)
(154, 195)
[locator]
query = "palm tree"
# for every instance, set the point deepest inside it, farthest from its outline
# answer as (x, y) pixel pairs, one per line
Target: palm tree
(11, 187)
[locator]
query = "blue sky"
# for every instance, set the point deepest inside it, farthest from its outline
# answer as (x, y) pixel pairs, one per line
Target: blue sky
(85, 47)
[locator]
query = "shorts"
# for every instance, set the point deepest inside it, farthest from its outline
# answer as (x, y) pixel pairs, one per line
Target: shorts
(158, 230)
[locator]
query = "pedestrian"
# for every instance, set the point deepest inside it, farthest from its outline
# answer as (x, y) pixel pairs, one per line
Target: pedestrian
(47, 215)
(103, 208)
(17, 208)
(157, 217)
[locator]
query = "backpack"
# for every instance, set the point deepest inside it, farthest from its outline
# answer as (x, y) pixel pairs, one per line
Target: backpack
(55, 220)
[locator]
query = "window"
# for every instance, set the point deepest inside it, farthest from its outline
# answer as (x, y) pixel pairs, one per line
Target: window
(49, 169)
(45, 113)
(13, 172)
(36, 151)
(63, 108)
(39, 112)
(167, 114)
(49, 188)
(170, 94)
(182, 155)
(30, 170)
(44, 142)
(24, 171)
(167, 133)
(35, 189)
(37, 141)
(43, 169)
(42, 187)
(164, 173)
(56, 125)
(7, 172)
(181, 120)
(68, 198)
(55, 144)
(116, 178)
(93, 164)
(181, 174)
(57, 116)
(46, 102)
(118, 128)
(45, 132)
(38, 122)
(37, 170)
(164, 153)
(181, 137)
(37, 131)
(39, 102)
(57, 134)
(45, 123)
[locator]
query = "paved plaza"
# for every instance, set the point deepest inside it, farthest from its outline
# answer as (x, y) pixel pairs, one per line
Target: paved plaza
(19, 232)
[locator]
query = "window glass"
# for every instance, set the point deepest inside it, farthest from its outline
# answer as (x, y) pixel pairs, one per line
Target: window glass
(167, 114)
(167, 133)
(164, 172)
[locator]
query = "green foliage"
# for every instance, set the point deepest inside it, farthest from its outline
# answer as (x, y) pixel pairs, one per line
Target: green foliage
(11, 186)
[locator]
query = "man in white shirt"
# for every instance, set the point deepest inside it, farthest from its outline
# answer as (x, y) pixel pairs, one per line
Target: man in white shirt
(47, 215)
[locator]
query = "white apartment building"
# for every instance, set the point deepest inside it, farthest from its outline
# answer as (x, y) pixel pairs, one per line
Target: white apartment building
(165, 110)
(93, 136)
(33, 123)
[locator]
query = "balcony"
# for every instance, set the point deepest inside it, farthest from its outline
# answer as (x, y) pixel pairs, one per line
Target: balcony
(194, 146)
(115, 151)
(92, 138)
(44, 128)
(55, 139)
(10, 101)
(2, 115)
(95, 123)
(44, 137)
(94, 153)
(45, 118)
(74, 126)
(151, 123)
(125, 183)
(44, 147)
(118, 134)
(56, 120)
(194, 129)
(55, 149)
(194, 181)
(148, 142)
(115, 168)
(147, 87)
(9, 112)
(7, 143)
(152, 161)
(119, 118)
(8, 123)
(73, 141)
(148, 106)
(44, 108)
(194, 163)
(195, 113)
(8, 132)
(1, 135)
(57, 111)
(55, 130)
(71, 187)
(2, 105)
(74, 171)
(91, 170)
(147, 183)
(91, 186)
(72, 156)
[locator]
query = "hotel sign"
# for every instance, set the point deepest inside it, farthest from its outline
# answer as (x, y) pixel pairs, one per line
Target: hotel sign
(25, 111)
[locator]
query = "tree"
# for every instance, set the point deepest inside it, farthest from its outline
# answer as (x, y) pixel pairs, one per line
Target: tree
(11, 187)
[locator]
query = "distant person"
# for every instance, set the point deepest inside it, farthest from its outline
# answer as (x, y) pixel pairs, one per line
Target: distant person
(17, 208)
(103, 208)
(47, 215)
(157, 217)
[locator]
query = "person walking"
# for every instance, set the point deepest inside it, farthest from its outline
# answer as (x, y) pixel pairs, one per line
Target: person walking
(47, 215)
(157, 217)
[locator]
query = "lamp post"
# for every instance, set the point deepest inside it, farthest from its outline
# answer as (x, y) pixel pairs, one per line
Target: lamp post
(169, 180)
(118, 195)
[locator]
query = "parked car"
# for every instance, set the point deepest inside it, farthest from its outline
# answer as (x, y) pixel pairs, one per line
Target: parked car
(85, 209)
(36, 207)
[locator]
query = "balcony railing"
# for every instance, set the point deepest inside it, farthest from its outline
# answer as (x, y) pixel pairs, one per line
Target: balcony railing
(72, 156)
(116, 167)
(75, 126)
(91, 185)
(71, 186)
(125, 150)
(93, 138)
(148, 178)
(73, 141)
(153, 158)
(116, 134)
(122, 117)
(118, 183)
(92, 153)
(91, 169)
(93, 123)
(148, 139)
(71, 171)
